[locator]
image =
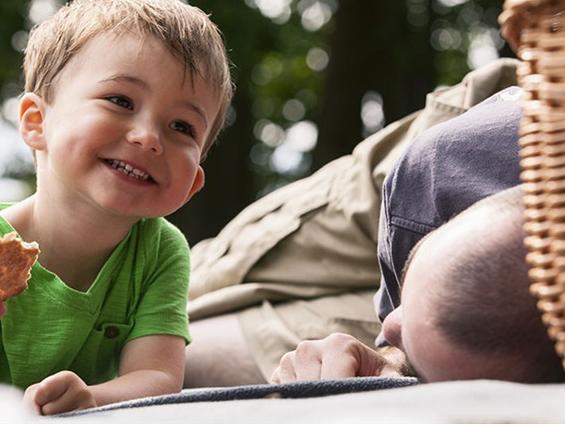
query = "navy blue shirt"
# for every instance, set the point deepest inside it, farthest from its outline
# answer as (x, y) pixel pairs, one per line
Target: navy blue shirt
(444, 171)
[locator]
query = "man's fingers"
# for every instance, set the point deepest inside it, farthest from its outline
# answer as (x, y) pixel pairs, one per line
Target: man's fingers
(341, 358)
(335, 367)
(307, 361)
(345, 356)
(275, 378)
(304, 363)
(286, 368)
(337, 356)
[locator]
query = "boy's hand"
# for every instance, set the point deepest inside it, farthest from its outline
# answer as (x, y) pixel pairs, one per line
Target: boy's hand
(61, 392)
(338, 356)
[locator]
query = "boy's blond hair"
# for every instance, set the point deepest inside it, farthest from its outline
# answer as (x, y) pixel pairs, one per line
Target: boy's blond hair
(186, 31)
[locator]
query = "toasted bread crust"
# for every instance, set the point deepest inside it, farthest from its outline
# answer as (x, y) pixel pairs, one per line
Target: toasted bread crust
(16, 260)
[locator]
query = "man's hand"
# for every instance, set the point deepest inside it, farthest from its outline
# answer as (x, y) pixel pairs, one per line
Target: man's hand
(61, 392)
(338, 356)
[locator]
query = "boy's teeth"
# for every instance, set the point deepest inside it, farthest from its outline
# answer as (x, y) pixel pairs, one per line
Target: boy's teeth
(127, 169)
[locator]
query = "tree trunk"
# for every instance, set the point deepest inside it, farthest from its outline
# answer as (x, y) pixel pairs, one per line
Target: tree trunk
(373, 47)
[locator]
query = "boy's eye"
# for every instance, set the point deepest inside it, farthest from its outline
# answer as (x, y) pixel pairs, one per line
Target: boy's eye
(121, 101)
(184, 128)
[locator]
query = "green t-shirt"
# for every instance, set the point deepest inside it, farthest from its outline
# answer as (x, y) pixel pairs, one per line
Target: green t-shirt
(141, 290)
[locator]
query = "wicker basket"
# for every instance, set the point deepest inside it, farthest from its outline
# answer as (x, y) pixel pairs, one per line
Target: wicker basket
(536, 31)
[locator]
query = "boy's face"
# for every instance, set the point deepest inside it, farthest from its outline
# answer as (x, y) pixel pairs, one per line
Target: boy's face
(125, 128)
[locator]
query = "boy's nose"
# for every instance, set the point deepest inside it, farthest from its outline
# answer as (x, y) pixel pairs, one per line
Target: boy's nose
(146, 138)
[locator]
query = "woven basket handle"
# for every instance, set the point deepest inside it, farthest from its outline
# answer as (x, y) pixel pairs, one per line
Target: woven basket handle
(536, 31)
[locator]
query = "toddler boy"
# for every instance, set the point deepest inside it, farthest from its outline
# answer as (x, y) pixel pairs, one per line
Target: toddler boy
(123, 98)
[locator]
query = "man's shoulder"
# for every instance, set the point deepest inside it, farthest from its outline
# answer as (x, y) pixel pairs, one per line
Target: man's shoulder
(491, 123)
(456, 163)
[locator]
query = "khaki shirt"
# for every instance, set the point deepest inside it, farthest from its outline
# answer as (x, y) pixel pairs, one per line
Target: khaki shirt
(318, 236)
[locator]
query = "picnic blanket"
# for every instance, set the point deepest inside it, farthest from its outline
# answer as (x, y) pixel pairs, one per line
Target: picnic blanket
(460, 402)
(300, 389)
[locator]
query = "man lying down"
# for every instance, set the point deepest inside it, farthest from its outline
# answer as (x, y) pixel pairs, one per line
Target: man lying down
(466, 311)
(442, 172)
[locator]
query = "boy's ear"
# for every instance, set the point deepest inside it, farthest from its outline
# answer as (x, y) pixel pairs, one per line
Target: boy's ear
(197, 184)
(32, 114)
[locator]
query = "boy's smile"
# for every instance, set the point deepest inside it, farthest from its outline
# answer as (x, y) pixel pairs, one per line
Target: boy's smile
(125, 129)
(129, 170)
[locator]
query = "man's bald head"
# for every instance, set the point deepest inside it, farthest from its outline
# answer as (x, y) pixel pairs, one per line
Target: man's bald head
(467, 311)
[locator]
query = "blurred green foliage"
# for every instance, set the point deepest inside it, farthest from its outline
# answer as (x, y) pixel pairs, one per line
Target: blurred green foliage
(326, 62)
(13, 20)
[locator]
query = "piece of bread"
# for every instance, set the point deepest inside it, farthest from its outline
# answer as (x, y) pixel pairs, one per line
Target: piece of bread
(16, 260)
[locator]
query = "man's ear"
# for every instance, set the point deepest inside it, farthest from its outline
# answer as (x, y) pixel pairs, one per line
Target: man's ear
(197, 184)
(32, 117)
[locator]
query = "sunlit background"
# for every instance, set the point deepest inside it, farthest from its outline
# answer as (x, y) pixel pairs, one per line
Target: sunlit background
(314, 78)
